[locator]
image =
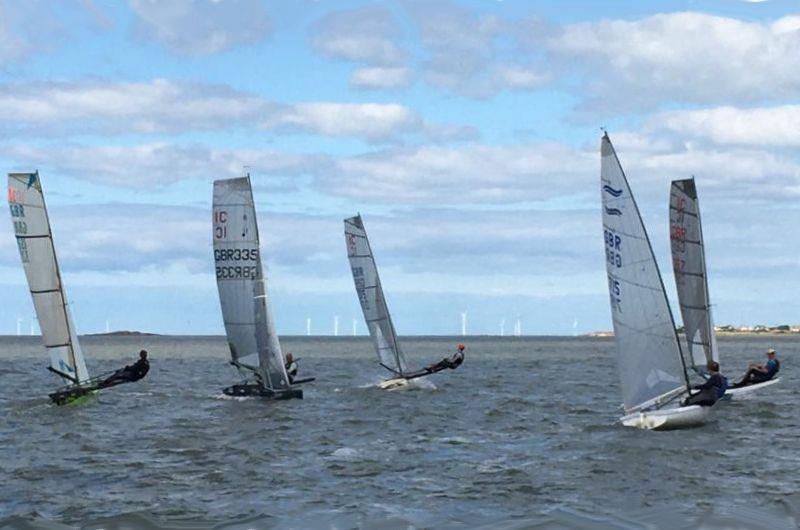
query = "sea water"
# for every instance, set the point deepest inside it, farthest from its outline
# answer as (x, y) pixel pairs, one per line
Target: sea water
(524, 433)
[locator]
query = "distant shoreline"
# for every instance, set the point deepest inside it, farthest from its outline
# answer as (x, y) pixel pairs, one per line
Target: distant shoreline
(123, 333)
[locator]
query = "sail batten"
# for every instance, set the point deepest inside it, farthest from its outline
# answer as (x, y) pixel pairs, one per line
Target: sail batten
(241, 282)
(37, 251)
(370, 296)
(691, 278)
(648, 352)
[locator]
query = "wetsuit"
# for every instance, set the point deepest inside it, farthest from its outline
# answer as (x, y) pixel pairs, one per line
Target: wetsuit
(754, 375)
(452, 362)
(129, 374)
(709, 392)
(291, 370)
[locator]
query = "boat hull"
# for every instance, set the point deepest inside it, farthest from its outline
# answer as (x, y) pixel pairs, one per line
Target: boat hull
(747, 391)
(72, 395)
(253, 390)
(668, 419)
(397, 383)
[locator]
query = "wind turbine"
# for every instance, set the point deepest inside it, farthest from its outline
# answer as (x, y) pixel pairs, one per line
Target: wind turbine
(503, 327)
(518, 326)
(463, 323)
(355, 323)
(335, 325)
(308, 326)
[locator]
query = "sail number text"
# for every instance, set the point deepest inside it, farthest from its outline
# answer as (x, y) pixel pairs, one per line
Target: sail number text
(358, 278)
(613, 244)
(237, 263)
(614, 259)
(220, 226)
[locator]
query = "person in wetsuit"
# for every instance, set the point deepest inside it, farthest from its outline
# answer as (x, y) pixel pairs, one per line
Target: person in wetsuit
(710, 391)
(452, 362)
(130, 373)
(291, 367)
(759, 373)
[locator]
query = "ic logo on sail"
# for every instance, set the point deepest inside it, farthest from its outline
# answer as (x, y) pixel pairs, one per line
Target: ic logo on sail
(351, 244)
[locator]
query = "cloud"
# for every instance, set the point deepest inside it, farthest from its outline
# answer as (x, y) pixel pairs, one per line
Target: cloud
(681, 57)
(373, 121)
(777, 126)
(362, 35)
(163, 106)
(368, 37)
(201, 27)
(472, 173)
(154, 165)
(380, 77)
(24, 25)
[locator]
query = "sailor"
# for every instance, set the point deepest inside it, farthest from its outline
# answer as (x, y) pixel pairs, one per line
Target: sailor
(759, 373)
(291, 367)
(130, 373)
(710, 391)
(452, 362)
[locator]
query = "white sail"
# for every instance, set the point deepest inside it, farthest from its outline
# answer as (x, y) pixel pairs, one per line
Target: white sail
(648, 352)
(689, 265)
(370, 295)
(241, 281)
(35, 242)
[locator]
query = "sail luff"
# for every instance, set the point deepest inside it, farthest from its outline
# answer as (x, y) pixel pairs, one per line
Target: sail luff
(68, 320)
(712, 335)
(648, 350)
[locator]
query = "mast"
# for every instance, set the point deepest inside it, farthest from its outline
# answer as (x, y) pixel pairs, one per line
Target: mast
(58, 276)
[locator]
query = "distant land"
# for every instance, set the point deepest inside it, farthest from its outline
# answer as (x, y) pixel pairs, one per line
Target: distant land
(123, 333)
(783, 329)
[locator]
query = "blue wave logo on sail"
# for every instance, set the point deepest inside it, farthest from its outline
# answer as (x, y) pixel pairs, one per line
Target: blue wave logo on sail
(613, 211)
(611, 191)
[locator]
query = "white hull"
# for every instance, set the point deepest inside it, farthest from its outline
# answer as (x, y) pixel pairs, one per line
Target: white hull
(667, 419)
(397, 383)
(747, 391)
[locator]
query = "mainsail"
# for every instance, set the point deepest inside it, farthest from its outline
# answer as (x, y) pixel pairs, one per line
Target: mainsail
(370, 295)
(241, 282)
(35, 242)
(689, 264)
(648, 351)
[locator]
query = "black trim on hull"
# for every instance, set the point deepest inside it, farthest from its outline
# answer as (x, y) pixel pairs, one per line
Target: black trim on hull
(256, 390)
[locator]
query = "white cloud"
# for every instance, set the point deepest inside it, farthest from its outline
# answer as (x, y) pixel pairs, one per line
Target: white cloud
(153, 165)
(516, 77)
(686, 57)
(372, 121)
(201, 27)
(35, 26)
(777, 126)
(470, 173)
(379, 77)
(162, 106)
(362, 35)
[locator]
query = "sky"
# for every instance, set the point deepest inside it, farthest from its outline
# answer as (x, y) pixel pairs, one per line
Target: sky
(465, 133)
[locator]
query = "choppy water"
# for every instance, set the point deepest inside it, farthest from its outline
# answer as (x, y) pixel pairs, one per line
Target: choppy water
(523, 434)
